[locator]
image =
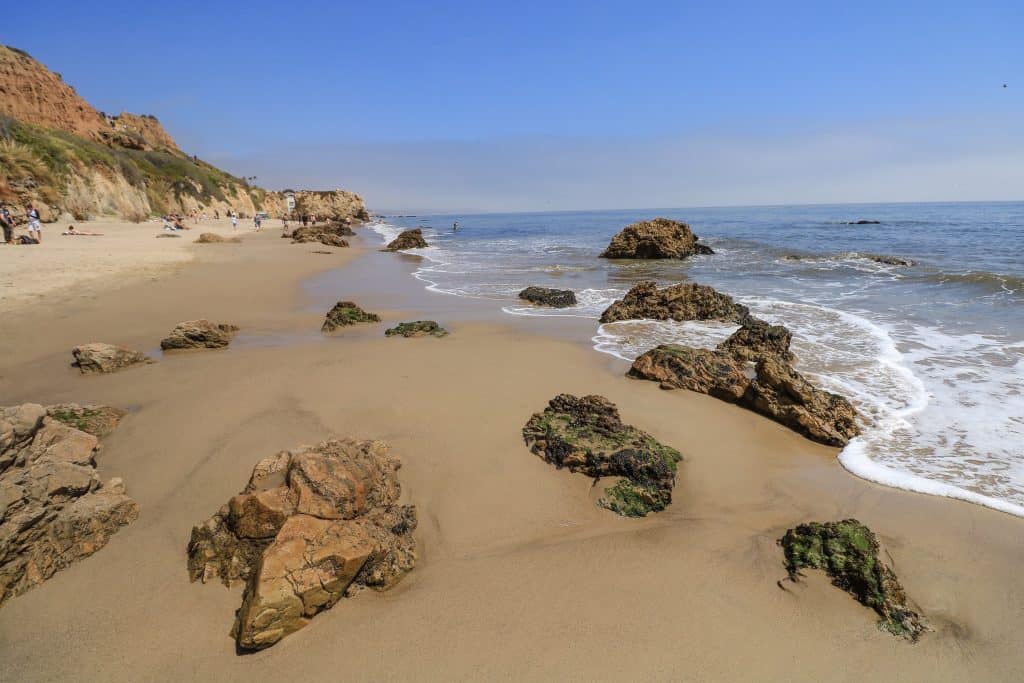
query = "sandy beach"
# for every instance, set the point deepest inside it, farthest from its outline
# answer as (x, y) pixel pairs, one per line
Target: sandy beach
(520, 575)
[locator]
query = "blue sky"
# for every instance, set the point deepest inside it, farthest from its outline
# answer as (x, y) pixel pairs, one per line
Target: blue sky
(529, 105)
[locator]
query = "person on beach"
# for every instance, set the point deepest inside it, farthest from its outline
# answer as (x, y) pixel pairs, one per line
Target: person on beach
(234, 220)
(455, 226)
(7, 222)
(34, 225)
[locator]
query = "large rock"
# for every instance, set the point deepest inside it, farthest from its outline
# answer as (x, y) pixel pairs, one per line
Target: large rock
(310, 526)
(54, 509)
(757, 339)
(330, 234)
(346, 313)
(199, 334)
(418, 328)
(545, 296)
(408, 239)
(660, 238)
(685, 301)
(102, 358)
(772, 388)
(848, 552)
(587, 435)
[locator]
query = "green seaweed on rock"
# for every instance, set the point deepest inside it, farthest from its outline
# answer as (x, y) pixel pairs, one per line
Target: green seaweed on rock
(847, 551)
(586, 435)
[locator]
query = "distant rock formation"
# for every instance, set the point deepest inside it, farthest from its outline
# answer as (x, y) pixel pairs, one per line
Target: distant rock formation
(102, 358)
(587, 435)
(125, 165)
(847, 552)
(660, 238)
(312, 525)
(863, 221)
(346, 313)
(419, 328)
(55, 510)
(545, 296)
(214, 238)
(685, 301)
(199, 334)
(408, 239)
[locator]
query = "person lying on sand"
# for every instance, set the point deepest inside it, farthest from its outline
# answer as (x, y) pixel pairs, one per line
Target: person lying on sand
(72, 232)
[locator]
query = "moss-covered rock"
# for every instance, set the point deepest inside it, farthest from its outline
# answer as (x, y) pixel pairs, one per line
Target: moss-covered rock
(586, 435)
(848, 552)
(419, 328)
(93, 419)
(346, 313)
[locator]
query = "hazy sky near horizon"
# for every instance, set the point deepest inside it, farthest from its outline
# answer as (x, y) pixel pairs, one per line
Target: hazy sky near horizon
(540, 105)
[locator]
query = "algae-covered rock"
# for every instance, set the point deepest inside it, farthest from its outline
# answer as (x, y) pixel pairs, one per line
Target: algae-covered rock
(347, 313)
(419, 328)
(686, 301)
(546, 296)
(408, 239)
(847, 551)
(97, 420)
(757, 339)
(587, 435)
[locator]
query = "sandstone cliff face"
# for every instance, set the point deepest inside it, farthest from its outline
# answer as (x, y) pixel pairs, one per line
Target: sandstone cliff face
(65, 157)
(32, 93)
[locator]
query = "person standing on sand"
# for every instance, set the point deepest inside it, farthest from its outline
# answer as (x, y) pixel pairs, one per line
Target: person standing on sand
(33, 224)
(234, 220)
(7, 222)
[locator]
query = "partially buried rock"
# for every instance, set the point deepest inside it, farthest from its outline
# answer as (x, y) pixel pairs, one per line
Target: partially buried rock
(679, 302)
(847, 552)
(419, 328)
(311, 526)
(587, 435)
(408, 239)
(214, 238)
(103, 358)
(346, 313)
(660, 238)
(772, 388)
(545, 296)
(97, 420)
(54, 509)
(199, 334)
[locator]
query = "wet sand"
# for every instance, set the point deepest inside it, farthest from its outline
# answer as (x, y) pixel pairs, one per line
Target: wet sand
(520, 575)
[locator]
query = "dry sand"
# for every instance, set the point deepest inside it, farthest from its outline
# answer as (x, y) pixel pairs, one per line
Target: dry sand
(521, 576)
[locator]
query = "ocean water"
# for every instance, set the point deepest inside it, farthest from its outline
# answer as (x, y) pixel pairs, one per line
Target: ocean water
(931, 354)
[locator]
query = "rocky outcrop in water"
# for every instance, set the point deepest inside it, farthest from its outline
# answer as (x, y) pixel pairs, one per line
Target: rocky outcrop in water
(757, 339)
(773, 388)
(98, 358)
(660, 238)
(214, 238)
(847, 552)
(408, 239)
(679, 302)
(546, 296)
(587, 435)
(199, 334)
(419, 328)
(864, 221)
(346, 313)
(54, 509)
(311, 526)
